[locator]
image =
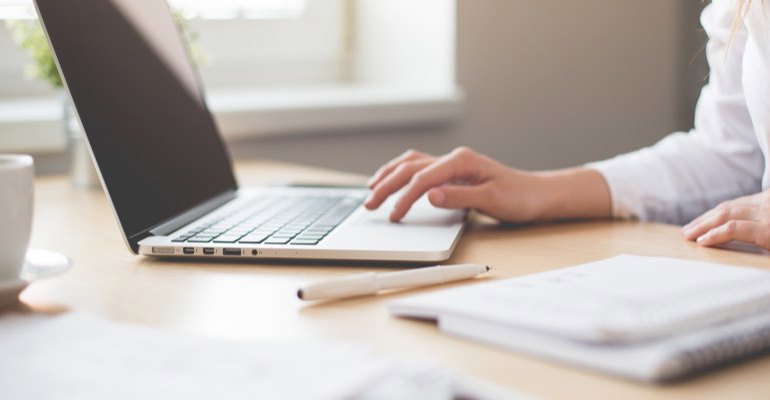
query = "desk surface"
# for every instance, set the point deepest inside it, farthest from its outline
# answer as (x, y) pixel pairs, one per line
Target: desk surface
(257, 301)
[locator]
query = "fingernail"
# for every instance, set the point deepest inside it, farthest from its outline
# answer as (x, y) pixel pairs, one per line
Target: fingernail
(437, 197)
(394, 215)
(701, 239)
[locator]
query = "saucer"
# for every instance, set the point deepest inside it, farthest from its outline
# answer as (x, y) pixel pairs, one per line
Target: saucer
(38, 264)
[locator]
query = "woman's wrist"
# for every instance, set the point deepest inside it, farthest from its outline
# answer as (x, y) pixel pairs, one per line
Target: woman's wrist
(574, 193)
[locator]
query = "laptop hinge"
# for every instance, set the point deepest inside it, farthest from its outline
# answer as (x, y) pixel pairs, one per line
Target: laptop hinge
(168, 226)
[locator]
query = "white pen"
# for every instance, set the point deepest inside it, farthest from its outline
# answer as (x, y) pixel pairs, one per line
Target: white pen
(370, 283)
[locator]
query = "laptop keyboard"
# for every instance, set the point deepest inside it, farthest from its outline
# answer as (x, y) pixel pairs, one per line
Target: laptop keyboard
(297, 220)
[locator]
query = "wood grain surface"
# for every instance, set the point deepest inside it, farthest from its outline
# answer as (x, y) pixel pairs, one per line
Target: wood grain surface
(253, 301)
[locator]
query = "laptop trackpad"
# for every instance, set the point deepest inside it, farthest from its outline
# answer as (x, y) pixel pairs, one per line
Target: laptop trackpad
(422, 214)
(425, 228)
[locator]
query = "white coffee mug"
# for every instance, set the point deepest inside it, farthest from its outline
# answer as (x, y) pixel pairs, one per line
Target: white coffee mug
(16, 198)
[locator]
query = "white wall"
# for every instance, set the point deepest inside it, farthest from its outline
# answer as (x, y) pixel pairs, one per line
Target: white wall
(548, 84)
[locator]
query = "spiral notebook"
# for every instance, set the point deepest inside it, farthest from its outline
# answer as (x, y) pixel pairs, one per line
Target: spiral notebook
(647, 318)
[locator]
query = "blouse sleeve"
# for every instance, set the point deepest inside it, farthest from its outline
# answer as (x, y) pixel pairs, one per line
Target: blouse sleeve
(686, 174)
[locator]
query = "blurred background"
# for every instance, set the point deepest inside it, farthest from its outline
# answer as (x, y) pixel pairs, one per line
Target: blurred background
(348, 84)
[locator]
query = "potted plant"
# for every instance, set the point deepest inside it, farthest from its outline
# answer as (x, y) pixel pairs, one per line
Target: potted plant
(29, 35)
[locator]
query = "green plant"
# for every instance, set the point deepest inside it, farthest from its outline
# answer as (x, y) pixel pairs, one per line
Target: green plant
(29, 35)
(190, 37)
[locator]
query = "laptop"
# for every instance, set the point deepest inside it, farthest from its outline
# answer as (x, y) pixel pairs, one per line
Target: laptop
(165, 168)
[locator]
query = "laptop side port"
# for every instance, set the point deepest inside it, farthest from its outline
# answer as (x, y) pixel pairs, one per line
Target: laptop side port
(231, 252)
(188, 250)
(162, 250)
(208, 251)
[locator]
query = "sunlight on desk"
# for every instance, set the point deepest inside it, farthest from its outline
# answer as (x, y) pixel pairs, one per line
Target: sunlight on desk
(257, 301)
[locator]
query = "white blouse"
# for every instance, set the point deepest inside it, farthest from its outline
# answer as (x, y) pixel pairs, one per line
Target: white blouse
(726, 155)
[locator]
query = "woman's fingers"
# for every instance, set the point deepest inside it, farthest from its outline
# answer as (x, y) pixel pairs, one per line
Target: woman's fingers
(458, 196)
(721, 209)
(390, 166)
(717, 217)
(419, 172)
(742, 231)
(746, 219)
(455, 165)
(395, 180)
(698, 221)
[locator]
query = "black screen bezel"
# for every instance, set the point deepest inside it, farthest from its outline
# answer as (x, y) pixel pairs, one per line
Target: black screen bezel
(133, 232)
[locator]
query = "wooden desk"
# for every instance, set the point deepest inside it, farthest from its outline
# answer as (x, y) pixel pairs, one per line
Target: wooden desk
(257, 301)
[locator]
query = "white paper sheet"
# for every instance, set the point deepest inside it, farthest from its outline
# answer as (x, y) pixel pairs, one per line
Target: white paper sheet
(74, 356)
(621, 299)
(77, 357)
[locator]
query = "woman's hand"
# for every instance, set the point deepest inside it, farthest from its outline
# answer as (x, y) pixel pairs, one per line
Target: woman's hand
(745, 219)
(460, 179)
(466, 179)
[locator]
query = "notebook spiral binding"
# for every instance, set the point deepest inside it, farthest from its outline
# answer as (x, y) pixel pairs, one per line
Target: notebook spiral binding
(736, 340)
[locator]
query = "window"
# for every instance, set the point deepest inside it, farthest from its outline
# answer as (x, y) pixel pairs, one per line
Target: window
(15, 9)
(244, 9)
(309, 48)
(301, 44)
(281, 66)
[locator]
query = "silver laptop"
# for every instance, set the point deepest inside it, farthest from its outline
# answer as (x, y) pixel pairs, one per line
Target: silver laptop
(167, 172)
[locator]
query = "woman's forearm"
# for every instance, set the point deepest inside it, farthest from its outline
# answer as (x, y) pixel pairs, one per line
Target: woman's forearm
(573, 193)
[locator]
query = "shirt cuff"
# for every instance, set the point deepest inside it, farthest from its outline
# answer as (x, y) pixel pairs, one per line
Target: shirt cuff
(625, 203)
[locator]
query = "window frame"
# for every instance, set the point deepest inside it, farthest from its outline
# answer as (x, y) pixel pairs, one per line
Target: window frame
(371, 89)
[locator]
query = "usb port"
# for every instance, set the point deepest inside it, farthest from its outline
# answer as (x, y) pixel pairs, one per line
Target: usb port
(208, 251)
(231, 252)
(188, 250)
(163, 250)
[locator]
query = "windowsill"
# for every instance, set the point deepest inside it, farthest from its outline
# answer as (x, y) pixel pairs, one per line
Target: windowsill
(34, 125)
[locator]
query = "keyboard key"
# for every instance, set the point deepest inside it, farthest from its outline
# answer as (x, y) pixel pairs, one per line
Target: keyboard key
(313, 233)
(277, 240)
(309, 237)
(270, 227)
(256, 236)
(252, 240)
(209, 234)
(276, 220)
(227, 239)
(260, 233)
(305, 242)
(322, 226)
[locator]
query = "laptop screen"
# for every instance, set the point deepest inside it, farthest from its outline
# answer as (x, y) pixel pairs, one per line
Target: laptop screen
(141, 105)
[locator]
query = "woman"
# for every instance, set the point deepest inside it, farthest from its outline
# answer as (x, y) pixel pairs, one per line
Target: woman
(713, 176)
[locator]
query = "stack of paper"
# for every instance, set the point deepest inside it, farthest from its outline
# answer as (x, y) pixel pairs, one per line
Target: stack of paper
(77, 357)
(641, 317)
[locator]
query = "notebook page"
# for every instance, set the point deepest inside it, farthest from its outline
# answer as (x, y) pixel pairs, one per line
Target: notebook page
(620, 299)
